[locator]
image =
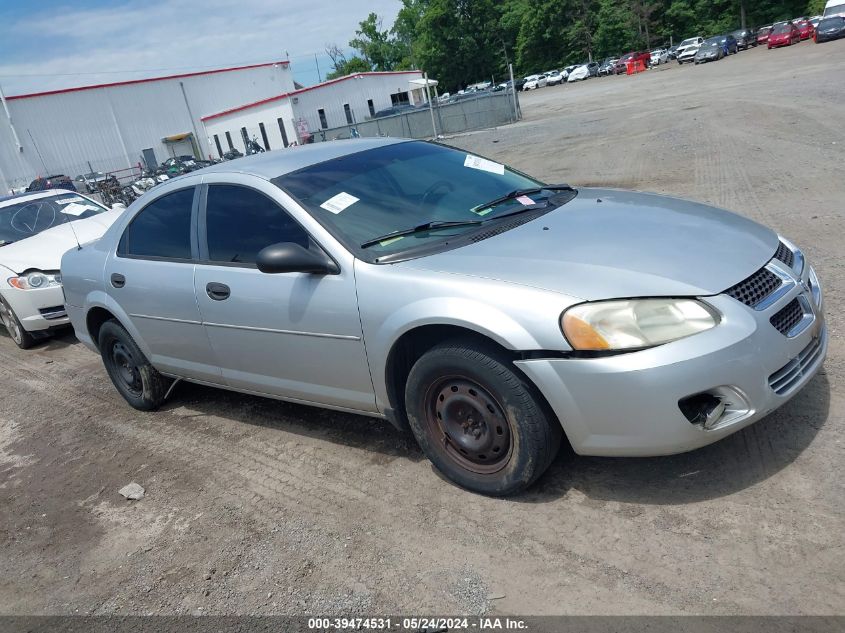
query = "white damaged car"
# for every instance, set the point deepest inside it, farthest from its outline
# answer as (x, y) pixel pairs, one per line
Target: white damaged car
(36, 229)
(688, 48)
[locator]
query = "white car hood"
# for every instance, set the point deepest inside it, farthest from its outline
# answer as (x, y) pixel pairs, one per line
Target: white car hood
(44, 251)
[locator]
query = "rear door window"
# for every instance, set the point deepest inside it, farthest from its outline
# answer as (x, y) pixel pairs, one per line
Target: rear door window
(162, 229)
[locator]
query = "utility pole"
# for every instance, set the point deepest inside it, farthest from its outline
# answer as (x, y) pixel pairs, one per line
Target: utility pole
(742, 14)
(319, 77)
(430, 105)
(513, 91)
(9, 118)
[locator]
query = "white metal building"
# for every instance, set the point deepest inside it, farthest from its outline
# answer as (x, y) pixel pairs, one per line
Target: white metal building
(286, 118)
(111, 126)
(117, 126)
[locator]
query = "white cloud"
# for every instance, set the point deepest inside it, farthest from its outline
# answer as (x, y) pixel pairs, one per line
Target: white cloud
(90, 46)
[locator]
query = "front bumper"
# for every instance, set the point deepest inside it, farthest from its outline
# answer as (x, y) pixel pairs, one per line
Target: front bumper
(628, 404)
(39, 309)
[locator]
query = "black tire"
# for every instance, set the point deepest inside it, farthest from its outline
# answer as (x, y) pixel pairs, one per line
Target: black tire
(140, 384)
(493, 436)
(14, 327)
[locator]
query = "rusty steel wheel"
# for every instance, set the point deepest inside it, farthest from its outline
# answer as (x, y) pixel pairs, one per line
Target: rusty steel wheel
(482, 424)
(470, 424)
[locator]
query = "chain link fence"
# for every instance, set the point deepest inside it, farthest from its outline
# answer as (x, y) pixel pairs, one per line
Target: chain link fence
(480, 111)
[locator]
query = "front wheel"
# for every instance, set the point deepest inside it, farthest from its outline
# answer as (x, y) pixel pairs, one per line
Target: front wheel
(140, 384)
(480, 423)
(14, 327)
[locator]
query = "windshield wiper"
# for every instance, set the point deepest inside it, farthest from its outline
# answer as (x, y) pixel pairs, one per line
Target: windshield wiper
(516, 193)
(420, 228)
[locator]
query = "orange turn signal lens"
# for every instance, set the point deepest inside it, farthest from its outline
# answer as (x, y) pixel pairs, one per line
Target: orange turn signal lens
(581, 334)
(18, 282)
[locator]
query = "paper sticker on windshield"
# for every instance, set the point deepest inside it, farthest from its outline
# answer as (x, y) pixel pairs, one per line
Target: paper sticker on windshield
(476, 162)
(338, 203)
(76, 209)
(69, 200)
(390, 241)
(525, 200)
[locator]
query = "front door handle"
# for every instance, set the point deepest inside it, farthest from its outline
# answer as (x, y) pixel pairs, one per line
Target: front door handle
(217, 291)
(118, 280)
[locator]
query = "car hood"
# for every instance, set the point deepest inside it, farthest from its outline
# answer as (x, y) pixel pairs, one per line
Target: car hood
(44, 251)
(608, 243)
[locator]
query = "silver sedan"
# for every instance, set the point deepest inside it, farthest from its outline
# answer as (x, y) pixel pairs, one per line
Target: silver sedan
(492, 314)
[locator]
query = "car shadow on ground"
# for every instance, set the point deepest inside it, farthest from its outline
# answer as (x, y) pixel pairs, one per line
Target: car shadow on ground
(730, 465)
(725, 467)
(375, 435)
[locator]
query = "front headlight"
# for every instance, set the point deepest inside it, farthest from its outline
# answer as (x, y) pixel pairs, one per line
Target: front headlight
(35, 280)
(634, 323)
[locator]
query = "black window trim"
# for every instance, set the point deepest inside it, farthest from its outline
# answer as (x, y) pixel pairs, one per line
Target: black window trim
(192, 229)
(201, 232)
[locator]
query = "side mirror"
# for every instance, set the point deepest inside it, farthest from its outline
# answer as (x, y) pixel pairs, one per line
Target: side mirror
(118, 206)
(287, 257)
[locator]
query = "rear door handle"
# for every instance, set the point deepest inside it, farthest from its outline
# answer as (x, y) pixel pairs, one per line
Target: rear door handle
(217, 291)
(118, 280)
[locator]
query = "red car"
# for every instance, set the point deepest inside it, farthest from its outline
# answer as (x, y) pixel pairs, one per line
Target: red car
(806, 29)
(763, 34)
(621, 66)
(783, 34)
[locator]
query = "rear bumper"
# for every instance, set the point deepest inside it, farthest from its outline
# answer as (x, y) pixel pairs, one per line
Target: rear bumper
(628, 404)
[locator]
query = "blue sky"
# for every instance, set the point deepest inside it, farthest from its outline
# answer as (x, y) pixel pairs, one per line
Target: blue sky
(50, 44)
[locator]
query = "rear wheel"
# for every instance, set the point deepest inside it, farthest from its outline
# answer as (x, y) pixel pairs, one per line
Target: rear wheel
(480, 423)
(140, 384)
(14, 327)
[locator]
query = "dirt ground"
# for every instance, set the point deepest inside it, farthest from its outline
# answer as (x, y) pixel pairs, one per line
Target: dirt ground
(255, 506)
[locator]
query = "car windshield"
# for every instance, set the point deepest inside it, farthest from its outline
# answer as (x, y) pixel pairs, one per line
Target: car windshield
(24, 219)
(836, 8)
(782, 28)
(829, 23)
(692, 40)
(370, 194)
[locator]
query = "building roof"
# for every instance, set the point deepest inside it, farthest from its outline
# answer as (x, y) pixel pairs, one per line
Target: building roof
(148, 80)
(284, 161)
(293, 93)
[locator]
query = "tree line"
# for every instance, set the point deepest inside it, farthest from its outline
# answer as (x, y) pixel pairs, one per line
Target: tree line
(459, 42)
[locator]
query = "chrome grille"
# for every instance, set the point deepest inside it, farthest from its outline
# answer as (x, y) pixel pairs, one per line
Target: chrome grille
(788, 317)
(755, 288)
(784, 254)
(785, 378)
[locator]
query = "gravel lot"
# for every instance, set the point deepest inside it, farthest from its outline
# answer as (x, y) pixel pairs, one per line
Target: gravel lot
(256, 506)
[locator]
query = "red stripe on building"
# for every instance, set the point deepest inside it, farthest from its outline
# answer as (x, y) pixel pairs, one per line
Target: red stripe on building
(293, 93)
(143, 81)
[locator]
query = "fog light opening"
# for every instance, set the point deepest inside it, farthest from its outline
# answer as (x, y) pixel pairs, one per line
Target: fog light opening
(704, 409)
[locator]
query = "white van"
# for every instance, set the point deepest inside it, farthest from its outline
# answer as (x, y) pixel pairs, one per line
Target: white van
(834, 7)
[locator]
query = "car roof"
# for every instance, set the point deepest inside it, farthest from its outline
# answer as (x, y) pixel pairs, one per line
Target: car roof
(284, 161)
(34, 195)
